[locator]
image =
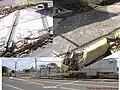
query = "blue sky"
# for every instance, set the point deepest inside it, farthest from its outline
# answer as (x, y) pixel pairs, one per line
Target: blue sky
(29, 62)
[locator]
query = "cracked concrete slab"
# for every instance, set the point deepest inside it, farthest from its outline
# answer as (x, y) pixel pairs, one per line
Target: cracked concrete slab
(81, 29)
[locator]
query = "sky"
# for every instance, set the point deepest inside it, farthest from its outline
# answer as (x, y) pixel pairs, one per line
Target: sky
(23, 63)
(29, 62)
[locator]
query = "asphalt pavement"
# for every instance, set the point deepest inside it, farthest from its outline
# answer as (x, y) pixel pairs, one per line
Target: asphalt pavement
(10, 83)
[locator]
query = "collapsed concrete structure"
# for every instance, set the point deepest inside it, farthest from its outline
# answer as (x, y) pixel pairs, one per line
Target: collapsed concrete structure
(74, 33)
(24, 31)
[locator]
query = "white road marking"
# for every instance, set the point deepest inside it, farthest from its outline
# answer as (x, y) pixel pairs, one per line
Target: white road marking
(94, 85)
(97, 82)
(13, 86)
(76, 81)
(68, 88)
(39, 81)
(50, 82)
(65, 83)
(72, 83)
(10, 77)
(27, 81)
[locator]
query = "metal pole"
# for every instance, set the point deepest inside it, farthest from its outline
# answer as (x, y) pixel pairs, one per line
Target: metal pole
(15, 67)
(40, 71)
(27, 1)
(36, 66)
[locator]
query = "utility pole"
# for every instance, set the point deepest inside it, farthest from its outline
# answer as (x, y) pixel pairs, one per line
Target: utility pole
(40, 70)
(36, 66)
(27, 1)
(15, 67)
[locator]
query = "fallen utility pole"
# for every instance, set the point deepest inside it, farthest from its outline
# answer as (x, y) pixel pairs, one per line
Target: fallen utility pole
(9, 41)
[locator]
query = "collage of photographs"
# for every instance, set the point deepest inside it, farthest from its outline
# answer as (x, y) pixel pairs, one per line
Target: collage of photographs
(59, 44)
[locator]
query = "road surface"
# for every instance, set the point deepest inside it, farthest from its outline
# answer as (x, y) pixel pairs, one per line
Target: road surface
(41, 84)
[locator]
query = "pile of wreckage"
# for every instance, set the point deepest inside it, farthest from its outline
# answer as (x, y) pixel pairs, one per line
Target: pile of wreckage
(67, 8)
(24, 30)
(6, 10)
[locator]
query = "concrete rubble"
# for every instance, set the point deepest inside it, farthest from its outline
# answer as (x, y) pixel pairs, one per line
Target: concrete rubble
(31, 30)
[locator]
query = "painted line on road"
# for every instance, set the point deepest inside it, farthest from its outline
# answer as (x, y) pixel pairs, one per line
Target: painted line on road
(13, 86)
(95, 82)
(49, 81)
(27, 81)
(36, 80)
(65, 83)
(73, 83)
(94, 85)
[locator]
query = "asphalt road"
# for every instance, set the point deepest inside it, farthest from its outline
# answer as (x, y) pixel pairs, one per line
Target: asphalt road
(46, 84)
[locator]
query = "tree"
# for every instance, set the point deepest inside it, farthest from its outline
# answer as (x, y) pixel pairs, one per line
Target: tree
(27, 71)
(42, 66)
(32, 69)
(13, 71)
(4, 70)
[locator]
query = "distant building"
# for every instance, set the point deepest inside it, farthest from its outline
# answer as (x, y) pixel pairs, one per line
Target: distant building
(103, 66)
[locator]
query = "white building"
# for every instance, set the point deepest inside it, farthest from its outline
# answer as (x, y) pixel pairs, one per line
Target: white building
(102, 66)
(109, 64)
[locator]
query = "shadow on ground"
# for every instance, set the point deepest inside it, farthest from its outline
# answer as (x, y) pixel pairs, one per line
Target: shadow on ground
(71, 23)
(46, 12)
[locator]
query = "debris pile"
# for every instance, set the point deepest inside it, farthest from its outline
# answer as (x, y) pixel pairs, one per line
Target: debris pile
(24, 49)
(72, 9)
(6, 10)
(115, 45)
(24, 31)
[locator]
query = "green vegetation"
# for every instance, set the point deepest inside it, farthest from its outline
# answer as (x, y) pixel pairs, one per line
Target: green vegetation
(13, 71)
(92, 5)
(5, 70)
(27, 4)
